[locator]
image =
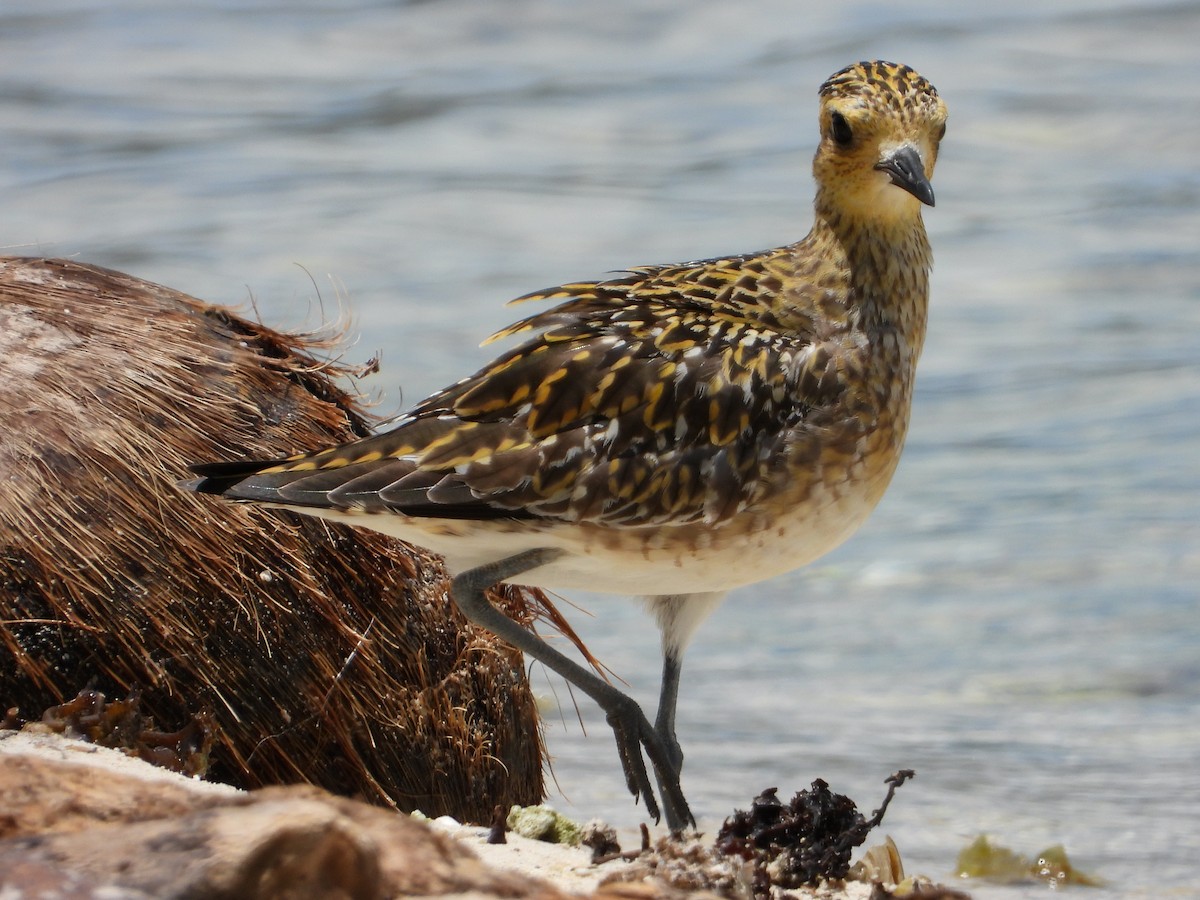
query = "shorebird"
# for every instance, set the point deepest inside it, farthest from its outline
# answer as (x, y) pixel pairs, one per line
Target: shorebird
(674, 431)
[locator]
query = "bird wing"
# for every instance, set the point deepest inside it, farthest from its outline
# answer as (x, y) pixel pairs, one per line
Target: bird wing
(660, 395)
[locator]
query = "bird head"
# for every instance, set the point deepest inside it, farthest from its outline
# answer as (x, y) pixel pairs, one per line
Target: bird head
(881, 124)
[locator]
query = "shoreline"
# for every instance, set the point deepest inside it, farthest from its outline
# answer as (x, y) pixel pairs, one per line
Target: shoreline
(81, 813)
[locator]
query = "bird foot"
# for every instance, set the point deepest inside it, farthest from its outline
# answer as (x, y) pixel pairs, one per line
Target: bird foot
(634, 734)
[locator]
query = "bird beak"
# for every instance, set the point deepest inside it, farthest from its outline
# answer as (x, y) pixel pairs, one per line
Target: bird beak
(908, 172)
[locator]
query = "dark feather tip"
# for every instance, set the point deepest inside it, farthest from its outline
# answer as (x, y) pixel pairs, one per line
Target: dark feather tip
(218, 477)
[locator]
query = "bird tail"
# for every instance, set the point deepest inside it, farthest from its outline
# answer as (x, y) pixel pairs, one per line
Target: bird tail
(219, 477)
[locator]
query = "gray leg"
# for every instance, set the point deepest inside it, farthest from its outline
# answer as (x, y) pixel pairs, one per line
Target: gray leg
(629, 724)
(678, 615)
(664, 723)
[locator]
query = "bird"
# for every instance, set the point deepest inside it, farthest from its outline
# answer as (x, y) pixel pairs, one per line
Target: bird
(671, 432)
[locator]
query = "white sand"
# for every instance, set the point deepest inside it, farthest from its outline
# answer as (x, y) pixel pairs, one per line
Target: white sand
(51, 745)
(568, 868)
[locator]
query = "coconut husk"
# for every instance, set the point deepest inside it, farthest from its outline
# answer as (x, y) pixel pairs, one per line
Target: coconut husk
(313, 652)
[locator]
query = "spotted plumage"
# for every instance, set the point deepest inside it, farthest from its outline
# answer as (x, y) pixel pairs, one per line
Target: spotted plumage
(674, 431)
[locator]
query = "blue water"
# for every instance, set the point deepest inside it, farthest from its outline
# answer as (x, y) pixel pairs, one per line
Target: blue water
(1020, 620)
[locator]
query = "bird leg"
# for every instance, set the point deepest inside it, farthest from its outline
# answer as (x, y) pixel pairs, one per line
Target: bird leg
(664, 722)
(678, 616)
(631, 729)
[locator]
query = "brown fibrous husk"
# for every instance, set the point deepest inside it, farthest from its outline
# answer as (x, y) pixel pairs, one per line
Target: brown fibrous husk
(319, 653)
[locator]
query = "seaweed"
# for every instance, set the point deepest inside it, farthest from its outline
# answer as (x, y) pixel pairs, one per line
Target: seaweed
(806, 840)
(996, 863)
(121, 725)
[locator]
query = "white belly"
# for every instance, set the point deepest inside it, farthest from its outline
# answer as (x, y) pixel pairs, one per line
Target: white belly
(636, 561)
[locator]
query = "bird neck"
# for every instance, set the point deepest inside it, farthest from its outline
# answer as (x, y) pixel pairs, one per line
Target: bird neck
(885, 264)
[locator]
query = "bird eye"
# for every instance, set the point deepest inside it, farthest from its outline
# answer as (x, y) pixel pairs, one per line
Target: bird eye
(840, 129)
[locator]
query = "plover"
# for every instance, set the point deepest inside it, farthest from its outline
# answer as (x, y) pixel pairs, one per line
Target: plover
(674, 431)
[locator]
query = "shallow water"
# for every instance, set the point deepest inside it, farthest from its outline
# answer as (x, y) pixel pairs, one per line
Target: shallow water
(1019, 621)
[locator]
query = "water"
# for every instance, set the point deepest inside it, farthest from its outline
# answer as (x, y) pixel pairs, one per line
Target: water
(1019, 621)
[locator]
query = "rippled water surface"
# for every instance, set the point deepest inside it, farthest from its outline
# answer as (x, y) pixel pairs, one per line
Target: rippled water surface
(1019, 621)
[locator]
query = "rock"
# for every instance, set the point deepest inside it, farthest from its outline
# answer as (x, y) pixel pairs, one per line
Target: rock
(542, 823)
